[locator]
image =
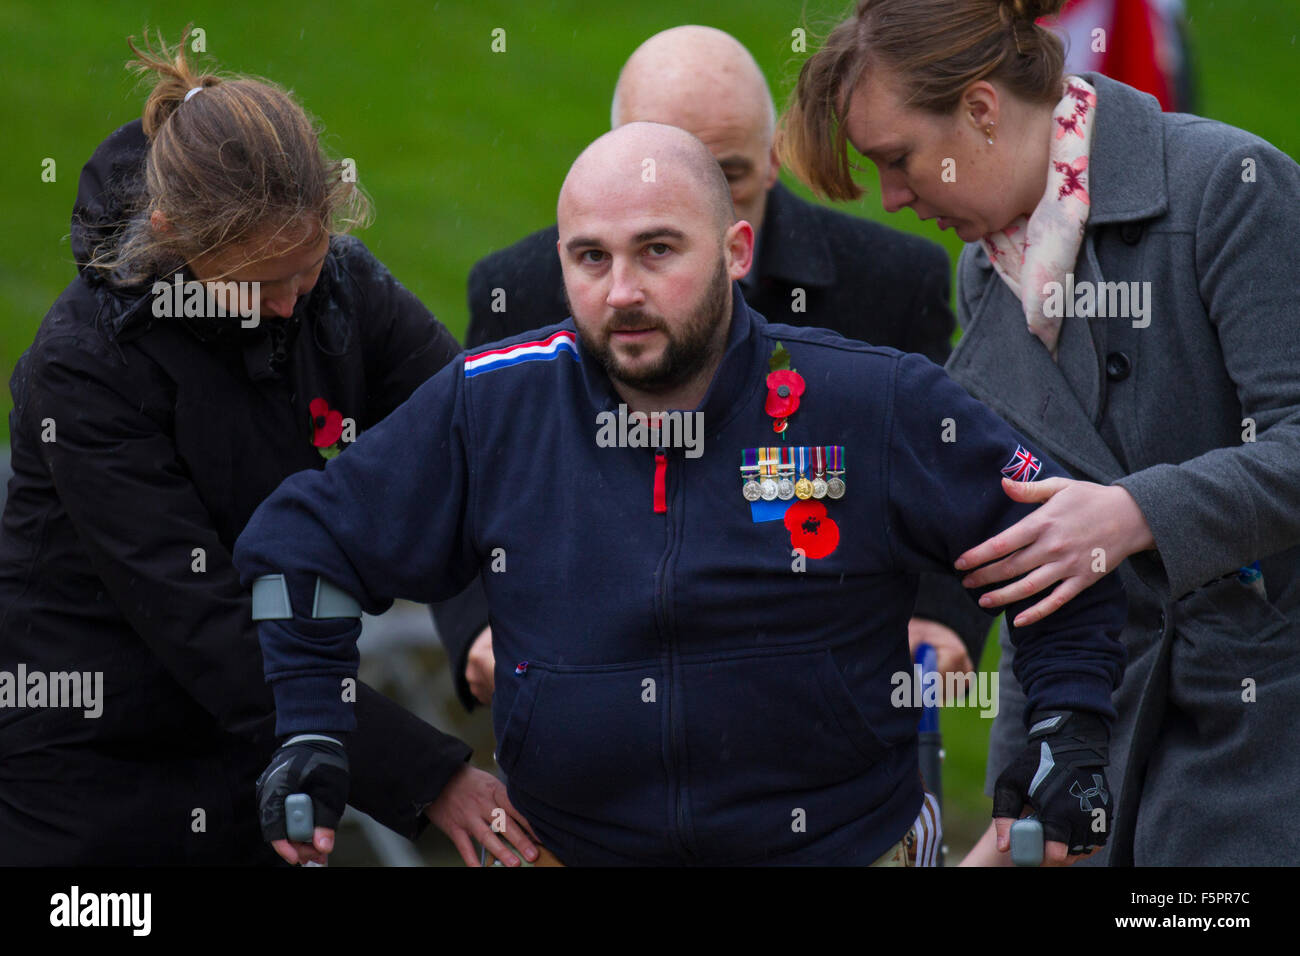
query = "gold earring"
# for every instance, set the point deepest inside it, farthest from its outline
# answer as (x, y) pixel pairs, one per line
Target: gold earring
(988, 133)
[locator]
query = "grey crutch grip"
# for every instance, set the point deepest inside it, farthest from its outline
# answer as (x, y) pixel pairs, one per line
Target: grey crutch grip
(1027, 842)
(298, 822)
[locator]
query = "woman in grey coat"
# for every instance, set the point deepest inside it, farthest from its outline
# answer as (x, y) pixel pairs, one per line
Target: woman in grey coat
(1151, 347)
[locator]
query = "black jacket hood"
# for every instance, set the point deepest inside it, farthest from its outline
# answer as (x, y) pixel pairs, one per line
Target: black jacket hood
(110, 186)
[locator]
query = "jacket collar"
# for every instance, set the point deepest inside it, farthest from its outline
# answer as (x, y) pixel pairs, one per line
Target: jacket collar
(741, 370)
(1127, 163)
(794, 249)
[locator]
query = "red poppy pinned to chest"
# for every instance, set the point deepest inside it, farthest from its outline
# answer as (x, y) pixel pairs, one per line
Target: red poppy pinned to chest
(811, 530)
(326, 427)
(784, 387)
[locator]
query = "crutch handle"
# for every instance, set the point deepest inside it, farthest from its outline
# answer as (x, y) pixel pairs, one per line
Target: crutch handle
(1027, 842)
(298, 820)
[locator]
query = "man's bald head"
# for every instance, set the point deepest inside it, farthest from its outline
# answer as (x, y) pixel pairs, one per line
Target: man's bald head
(705, 82)
(647, 165)
(666, 77)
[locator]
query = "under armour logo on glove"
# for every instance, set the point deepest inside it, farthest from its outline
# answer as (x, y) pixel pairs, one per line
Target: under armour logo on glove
(1098, 789)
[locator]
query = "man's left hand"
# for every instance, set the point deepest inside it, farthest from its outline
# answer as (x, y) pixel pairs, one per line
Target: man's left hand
(1082, 532)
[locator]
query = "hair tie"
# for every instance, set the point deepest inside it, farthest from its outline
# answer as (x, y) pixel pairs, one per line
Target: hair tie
(191, 93)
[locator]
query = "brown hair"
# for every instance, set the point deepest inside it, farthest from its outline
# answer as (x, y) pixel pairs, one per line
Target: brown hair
(936, 48)
(234, 161)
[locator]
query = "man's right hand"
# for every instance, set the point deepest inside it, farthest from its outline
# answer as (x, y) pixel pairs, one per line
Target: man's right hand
(1061, 775)
(480, 667)
(314, 764)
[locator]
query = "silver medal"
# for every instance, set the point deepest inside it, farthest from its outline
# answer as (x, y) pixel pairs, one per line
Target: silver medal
(751, 490)
(835, 488)
(819, 487)
(768, 489)
(785, 489)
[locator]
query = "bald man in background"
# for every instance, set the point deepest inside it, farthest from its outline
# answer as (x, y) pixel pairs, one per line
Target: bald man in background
(813, 266)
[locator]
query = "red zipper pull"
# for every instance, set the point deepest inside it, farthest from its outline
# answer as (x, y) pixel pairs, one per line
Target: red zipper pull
(661, 484)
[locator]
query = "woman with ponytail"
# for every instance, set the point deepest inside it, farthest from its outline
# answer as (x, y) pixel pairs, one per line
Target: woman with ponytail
(223, 332)
(1127, 295)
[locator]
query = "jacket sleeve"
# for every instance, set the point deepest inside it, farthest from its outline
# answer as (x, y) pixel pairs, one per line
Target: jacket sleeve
(386, 519)
(1230, 506)
(399, 763)
(930, 322)
(115, 469)
(404, 344)
(459, 620)
(139, 517)
(945, 497)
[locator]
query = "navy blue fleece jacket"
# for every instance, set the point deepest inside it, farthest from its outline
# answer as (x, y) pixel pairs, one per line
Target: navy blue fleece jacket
(671, 687)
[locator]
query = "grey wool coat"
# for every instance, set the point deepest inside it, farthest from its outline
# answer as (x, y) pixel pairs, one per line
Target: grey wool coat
(1194, 408)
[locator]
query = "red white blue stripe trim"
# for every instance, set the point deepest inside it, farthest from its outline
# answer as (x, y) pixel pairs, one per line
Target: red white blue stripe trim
(542, 350)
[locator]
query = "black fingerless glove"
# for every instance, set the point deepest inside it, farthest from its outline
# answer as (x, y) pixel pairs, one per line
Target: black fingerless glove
(314, 764)
(1062, 776)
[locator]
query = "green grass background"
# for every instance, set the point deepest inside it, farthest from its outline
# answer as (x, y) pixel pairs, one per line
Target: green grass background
(462, 149)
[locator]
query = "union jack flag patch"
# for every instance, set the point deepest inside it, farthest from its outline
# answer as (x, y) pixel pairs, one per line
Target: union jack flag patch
(1022, 466)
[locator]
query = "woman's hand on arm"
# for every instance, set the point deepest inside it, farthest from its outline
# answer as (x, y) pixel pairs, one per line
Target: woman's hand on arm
(1081, 532)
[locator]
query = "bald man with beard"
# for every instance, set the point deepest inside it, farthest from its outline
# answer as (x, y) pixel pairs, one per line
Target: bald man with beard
(813, 266)
(692, 671)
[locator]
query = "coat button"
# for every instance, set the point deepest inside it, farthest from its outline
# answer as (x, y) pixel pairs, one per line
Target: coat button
(1118, 366)
(1131, 232)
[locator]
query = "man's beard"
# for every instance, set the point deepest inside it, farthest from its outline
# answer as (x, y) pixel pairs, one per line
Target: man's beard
(689, 350)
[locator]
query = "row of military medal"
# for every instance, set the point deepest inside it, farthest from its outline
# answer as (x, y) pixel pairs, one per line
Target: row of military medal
(770, 473)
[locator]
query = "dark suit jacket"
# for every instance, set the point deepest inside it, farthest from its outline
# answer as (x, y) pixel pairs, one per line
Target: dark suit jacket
(859, 278)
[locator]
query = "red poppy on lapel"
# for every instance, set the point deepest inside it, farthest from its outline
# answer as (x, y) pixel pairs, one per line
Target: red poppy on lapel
(783, 390)
(326, 427)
